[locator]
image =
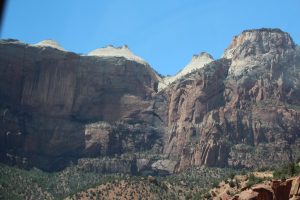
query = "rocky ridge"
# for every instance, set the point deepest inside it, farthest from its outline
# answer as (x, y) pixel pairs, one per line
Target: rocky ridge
(111, 51)
(242, 110)
(198, 61)
(49, 43)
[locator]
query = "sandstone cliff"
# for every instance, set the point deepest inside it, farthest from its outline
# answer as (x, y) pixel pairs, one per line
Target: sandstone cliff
(50, 98)
(197, 62)
(242, 110)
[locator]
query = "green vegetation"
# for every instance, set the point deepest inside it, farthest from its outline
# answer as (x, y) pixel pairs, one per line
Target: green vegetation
(17, 183)
(253, 180)
(203, 177)
(286, 171)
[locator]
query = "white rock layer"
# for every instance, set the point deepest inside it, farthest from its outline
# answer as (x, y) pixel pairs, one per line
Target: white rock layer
(49, 43)
(255, 48)
(197, 62)
(111, 51)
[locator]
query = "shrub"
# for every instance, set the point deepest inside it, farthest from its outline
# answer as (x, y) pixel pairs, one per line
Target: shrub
(243, 172)
(231, 184)
(232, 175)
(215, 184)
(286, 171)
(253, 180)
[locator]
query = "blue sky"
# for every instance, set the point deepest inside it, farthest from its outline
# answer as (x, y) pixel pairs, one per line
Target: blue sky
(166, 33)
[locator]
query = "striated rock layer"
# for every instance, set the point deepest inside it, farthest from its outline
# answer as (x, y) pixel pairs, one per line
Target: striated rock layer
(50, 98)
(197, 62)
(242, 110)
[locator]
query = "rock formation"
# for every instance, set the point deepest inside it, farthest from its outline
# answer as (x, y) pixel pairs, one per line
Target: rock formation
(111, 51)
(49, 43)
(242, 110)
(50, 100)
(197, 62)
(273, 190)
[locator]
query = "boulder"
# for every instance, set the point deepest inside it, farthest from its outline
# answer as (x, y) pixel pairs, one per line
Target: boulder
(247, 195)
(164, 167)
(295, 189)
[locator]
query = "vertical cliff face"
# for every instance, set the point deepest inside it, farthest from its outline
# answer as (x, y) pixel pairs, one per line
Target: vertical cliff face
(241, 111)
(193, 103)
(190, 100)
(48, 95)
(263, 87)
(266, 62)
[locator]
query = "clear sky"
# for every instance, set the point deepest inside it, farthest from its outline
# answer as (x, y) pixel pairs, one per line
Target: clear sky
(166, 33)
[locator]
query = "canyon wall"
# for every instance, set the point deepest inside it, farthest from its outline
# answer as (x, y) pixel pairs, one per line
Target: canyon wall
(242, 110)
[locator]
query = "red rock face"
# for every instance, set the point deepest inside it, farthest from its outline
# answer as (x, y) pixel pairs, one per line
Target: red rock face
(190, 101)
(48, 96)
(260, 41)
(275, 190)
(242, 110)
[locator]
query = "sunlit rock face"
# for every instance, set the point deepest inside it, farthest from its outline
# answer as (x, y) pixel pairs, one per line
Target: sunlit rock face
(49, 43)
(257, 47)
(198, 61)
(111, 51)
(242, 110)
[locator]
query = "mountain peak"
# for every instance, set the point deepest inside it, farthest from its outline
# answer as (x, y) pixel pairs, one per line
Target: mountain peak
(258, 41)
(111, 51)
(49, 43)
(202, 55)
(198, 61)
(274, 30)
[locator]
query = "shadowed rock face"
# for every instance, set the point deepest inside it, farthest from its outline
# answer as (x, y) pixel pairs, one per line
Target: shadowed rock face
(48, 97)
(242, 110)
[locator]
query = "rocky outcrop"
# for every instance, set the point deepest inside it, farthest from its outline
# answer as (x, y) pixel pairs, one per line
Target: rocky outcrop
(274, 190)
(111, 51)
(198, 61)
(238, 188)
(295, 189)
(164, 166)
(104, 139)
(49, 43)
